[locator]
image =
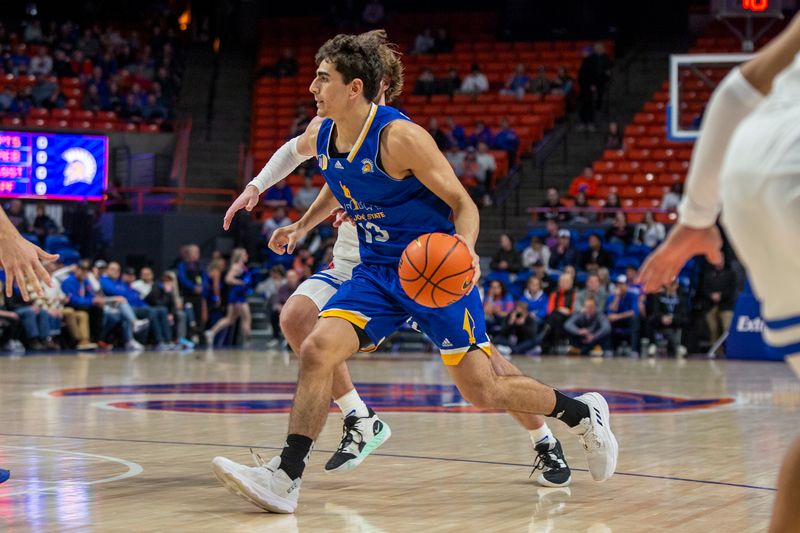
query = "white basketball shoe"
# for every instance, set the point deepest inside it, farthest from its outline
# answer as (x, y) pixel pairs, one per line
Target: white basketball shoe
(264, 485)
(595, 434)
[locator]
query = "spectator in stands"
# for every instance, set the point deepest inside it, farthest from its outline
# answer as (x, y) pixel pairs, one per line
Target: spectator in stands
(277, 220)
(649, 232)
(35, 322)
(456, 134)
(373, 13)
(475, 82)
(559, 309)
(540, 84)
(719, 296)
(518, 334)
(426, 84)
(563, 254)
(536, 298)
(285, 66)
(43, 89)
(279, 195)
(497, 306)
(506, 139)
(620, 231)
(587, 88)
(7, 98)
(672, 198)
(43, 225)
(506, 258)
(585, 183)
(131, 109)
(92, 100)
(152, 110)
(33, 32)
(540, 272)
(424, 43)
(535, 251)
(602, 67)
(553, 202)
(193, 281)
(450, 84)
(472, 176)
(300, 122)
(564, 84)
(41, 63)
(487, 162)
(113, 284)
(612, 202)
(595, 257)
(613, 137)
(668, 316)
(443, 42)
(595, 289)
(551, 238)
(10, 329)
(16, 214)
(305, 195)
(622, 309)
(438, 134)
(581, 213)
(481, 134)
(518, 83)
(589, 329)
(269, 287)
(455, 157)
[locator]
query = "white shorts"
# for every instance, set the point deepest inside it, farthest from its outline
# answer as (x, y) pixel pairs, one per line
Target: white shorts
(321, 286)
(761, 214)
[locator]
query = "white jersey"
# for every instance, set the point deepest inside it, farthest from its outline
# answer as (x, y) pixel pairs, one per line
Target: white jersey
(761, 198)
(346, 248)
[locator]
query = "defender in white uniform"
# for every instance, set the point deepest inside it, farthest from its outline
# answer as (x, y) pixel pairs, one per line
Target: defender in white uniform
(746, 164)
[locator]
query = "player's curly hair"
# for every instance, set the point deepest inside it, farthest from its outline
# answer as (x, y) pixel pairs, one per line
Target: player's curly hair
(355, 58)
(390, 57)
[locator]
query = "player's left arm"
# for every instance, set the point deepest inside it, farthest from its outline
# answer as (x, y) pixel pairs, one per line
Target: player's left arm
(408, 149)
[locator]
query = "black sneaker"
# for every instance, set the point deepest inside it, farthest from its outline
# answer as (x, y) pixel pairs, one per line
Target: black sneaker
(360, 437)
(550, 460)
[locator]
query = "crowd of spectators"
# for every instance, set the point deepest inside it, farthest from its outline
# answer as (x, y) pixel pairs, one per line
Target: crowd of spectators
(135, 74)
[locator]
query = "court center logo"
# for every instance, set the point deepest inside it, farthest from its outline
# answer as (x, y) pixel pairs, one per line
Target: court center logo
(276, 397)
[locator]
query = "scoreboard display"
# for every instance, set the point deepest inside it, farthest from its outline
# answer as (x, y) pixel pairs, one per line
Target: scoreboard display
(54, 166)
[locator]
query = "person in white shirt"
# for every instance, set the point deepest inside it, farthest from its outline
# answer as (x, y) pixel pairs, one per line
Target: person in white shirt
(41, 63)
(747, 159)
(536, 251)
(649, 232)
(475, 82)
(306, 195)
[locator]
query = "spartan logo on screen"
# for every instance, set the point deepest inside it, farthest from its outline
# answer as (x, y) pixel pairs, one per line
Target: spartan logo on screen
(56, 166)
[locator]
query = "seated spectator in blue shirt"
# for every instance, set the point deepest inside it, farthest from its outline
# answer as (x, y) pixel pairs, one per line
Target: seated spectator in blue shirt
(536, 298)
(482, 134)
(622, 310)
(507, 140)
(279, 194)
(457, 135)
(589, 330)
(563, 253)
(518, 82)
(667, 316)
(497, 304)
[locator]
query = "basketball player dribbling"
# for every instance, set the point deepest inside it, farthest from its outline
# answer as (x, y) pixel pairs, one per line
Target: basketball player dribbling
(394, 171)
(22, 263)
(746, 164)
(363, 430)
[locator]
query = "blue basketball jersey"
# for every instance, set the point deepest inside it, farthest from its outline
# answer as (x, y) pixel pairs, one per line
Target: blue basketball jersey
(389, 213)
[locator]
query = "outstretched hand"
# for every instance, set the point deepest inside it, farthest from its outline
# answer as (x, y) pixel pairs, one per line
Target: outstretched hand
(283, 240)
(247, 200)
(22, 261)
(682, 243)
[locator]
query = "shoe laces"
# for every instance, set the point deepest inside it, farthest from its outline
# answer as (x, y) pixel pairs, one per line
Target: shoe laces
(590, 440)
(258, 460)
(349, 431)
(545, 460)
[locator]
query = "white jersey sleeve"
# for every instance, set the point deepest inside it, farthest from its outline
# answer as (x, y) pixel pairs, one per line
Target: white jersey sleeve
(730, 103)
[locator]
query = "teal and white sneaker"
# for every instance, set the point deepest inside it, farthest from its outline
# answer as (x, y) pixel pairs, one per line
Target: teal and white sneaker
(360, 437)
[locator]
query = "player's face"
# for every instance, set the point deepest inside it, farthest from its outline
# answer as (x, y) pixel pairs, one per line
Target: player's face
(329, 89)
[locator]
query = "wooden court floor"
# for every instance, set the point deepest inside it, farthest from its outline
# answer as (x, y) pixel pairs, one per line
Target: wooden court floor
(120, 443)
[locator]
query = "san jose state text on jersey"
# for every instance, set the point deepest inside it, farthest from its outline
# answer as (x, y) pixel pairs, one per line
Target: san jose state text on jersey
(388, 212)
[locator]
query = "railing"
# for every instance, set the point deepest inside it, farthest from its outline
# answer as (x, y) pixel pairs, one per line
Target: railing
(139, 197)
(667, 215)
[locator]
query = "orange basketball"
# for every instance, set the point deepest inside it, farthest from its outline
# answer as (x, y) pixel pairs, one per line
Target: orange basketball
(436, 270)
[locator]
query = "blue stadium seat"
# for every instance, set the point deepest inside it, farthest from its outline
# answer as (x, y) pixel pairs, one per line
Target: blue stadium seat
(498, 275)
(53, 243)
(69, 256)
(32, 237)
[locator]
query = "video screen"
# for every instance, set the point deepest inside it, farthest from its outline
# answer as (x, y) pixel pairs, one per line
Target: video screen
(53, 166)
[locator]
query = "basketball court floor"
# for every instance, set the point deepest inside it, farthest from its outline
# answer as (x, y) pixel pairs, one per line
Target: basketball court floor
(124, 443)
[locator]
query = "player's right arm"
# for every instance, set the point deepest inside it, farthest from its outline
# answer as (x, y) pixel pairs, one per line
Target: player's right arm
(735, 98)
(284, 239)
(287, 158)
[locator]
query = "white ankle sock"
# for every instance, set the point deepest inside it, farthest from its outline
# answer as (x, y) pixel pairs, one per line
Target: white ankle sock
(351, 404)
(542, 435)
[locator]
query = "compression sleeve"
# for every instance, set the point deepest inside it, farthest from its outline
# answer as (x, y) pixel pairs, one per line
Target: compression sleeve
(730, 103)
(280, 165)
